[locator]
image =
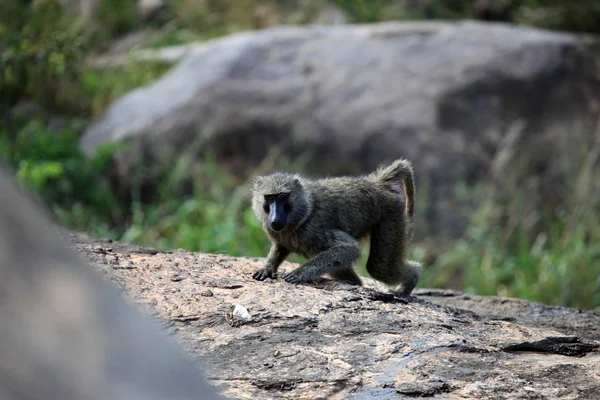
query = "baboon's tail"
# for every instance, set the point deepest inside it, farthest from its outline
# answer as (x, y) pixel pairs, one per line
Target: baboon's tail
(393, 176)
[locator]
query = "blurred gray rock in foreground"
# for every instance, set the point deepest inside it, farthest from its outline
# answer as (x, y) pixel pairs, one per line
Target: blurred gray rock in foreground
(444, 95)
(65, 333)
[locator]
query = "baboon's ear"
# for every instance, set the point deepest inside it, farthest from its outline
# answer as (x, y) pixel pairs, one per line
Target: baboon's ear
(296, 184)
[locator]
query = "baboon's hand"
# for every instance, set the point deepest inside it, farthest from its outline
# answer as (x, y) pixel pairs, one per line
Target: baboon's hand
(264, 273)
(296, 276)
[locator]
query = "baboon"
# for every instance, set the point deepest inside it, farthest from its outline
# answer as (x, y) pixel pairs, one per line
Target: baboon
(324, 220)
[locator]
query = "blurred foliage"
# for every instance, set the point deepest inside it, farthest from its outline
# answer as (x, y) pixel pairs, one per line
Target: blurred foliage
(192, 19)
(366, 11)
(118, 17)
(48, 95)
(561, 265)
(48, 161)
(213, 216)
(519, 247)
(41, 47)
(102, 86)
(566, 15)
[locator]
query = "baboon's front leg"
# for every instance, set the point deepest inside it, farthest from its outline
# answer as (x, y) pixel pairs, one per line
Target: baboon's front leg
(276, 256)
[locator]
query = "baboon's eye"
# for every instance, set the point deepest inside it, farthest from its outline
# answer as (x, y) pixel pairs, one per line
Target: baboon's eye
(266, 207)
(287, 207)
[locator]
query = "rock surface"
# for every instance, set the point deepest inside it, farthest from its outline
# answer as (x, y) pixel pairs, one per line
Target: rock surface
(444, 95)
(337, 341)
(67, 334)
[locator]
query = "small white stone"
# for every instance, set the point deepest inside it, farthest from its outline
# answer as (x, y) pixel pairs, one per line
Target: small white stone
(241, 313)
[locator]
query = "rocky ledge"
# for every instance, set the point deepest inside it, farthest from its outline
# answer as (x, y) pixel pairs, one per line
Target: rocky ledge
(265, 340)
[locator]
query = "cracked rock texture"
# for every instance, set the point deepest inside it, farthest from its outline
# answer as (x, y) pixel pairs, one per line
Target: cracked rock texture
(337, 341)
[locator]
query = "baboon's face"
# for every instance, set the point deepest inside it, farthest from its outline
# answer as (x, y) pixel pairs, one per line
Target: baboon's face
(278, 208)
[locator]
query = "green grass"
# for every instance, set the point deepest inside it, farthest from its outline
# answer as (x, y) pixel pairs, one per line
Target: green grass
(520, 246)
(215, 217)
(560, 266)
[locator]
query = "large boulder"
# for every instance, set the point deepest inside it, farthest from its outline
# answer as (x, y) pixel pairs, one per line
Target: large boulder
(445, 95)
(330, 340)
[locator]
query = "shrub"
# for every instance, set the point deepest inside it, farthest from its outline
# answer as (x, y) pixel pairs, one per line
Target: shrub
(40, 49)
(49, 162)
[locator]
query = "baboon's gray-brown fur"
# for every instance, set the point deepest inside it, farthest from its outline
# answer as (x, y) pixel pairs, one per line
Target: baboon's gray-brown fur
(324, 220)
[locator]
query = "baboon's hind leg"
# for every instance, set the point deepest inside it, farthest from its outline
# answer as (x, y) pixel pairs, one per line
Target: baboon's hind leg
(347, 274)
(387, 262)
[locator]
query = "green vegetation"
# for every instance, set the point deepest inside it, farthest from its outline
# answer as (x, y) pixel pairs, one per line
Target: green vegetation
(519, 249)
(567, 15)
(48, 95)
(212, 217)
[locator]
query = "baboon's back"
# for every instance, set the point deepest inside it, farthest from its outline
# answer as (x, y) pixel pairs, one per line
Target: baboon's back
(354, 205)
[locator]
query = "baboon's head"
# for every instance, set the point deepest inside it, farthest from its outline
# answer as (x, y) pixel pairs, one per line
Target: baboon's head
(280, 201)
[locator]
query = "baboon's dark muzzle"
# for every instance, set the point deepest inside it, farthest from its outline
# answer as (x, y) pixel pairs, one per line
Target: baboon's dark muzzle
(277, 216)
(277, 225)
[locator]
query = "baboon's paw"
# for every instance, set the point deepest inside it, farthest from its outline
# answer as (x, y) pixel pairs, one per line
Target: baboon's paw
(263, 274)
(293, 277)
